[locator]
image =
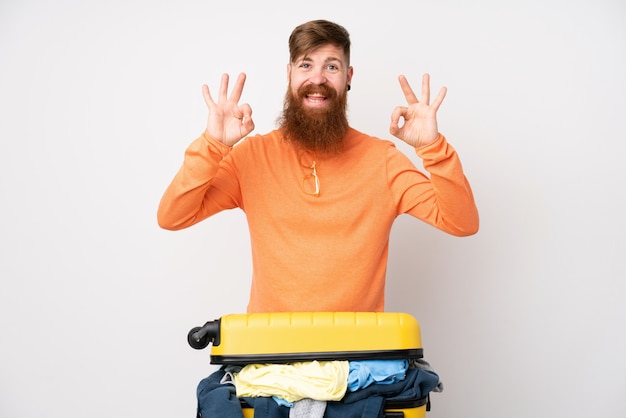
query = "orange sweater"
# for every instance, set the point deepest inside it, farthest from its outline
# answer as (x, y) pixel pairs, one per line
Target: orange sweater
(324, 253)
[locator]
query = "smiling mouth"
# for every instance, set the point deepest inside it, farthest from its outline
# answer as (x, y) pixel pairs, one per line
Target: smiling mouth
(316, 97)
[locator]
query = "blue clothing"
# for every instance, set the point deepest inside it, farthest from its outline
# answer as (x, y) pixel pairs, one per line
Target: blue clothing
(372, 407)
(417, 385)
(366, 372)
(216, 399)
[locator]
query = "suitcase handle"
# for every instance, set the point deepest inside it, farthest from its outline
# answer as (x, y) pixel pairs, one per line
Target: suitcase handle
(201, 337)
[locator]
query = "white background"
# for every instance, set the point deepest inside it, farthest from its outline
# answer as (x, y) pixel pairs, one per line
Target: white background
(98, 101)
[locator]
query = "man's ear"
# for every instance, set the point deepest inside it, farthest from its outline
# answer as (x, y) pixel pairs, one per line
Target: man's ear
(350, 73)
(288, 71)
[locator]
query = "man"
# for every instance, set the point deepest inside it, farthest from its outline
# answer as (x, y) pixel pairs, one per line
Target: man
(320, 197)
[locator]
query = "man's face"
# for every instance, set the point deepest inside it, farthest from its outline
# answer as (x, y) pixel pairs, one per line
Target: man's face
(325, 66)
(314, 113)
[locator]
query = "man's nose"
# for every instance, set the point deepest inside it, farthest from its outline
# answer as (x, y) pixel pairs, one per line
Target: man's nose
(318, 77)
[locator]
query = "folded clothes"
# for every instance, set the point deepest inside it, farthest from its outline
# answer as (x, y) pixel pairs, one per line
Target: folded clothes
(319, 380)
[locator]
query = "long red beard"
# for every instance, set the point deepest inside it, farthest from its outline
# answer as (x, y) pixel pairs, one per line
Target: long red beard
(320, 130)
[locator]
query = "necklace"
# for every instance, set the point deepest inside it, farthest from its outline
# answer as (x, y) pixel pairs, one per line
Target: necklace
(310, 182)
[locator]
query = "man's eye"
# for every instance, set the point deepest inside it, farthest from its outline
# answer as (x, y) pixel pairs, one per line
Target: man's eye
(305, 65)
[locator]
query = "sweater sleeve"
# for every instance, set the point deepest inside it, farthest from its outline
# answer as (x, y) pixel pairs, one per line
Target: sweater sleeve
(443, 199)
(205, 184)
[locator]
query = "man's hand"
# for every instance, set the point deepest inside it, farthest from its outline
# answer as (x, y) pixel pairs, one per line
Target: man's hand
(419, 125)
(228, 122)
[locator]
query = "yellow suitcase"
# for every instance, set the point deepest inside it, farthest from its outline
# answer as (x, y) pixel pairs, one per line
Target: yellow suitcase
(240, 339)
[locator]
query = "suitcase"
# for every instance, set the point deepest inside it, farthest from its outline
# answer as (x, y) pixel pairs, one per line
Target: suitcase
(240, 339)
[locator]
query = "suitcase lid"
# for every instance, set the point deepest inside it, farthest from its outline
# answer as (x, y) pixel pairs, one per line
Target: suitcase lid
(306, 336)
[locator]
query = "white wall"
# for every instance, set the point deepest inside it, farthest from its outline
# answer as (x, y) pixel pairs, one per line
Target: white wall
(98, 102)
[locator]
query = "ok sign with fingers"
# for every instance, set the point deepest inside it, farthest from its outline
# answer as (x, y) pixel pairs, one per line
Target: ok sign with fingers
(419, 118)
(228, 122)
